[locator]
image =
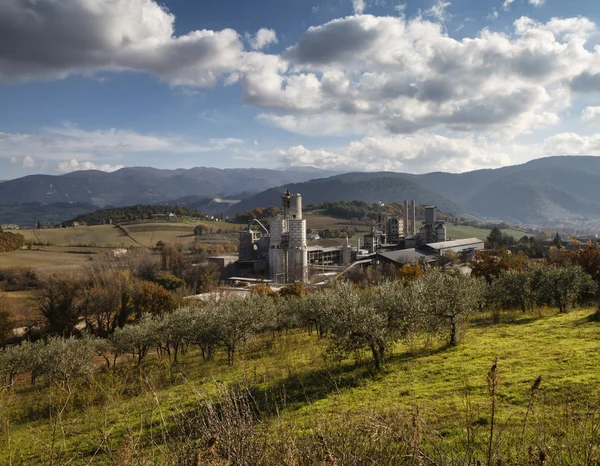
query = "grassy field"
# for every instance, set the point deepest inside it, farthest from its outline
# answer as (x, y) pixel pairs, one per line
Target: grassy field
(111, 236)
(446, 385)
(46, 259)
(96, 236)
(461, 232)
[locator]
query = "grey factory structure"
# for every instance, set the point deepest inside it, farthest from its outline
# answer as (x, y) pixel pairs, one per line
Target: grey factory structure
(282, 254)
(281, 251)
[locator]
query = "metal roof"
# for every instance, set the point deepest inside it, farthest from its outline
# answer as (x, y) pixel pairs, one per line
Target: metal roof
(454, 244)
(408, 256)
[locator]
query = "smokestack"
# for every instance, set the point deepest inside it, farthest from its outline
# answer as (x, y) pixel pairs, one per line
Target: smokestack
(357, 245)
(414, 218)
(405, 226)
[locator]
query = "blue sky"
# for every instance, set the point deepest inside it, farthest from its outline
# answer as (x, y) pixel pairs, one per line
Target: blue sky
(411, 86)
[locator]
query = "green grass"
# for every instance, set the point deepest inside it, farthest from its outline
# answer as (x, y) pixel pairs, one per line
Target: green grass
(564, 349)
(99, 236)
(461, 232)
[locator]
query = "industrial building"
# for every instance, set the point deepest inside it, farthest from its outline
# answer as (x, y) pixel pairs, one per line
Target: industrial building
(281, 252)
(432, 252)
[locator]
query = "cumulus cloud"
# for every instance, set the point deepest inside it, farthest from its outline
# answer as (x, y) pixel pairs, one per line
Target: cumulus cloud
(52, 39)
(417, 153)
(422, 152)
(403, 76)
(263, 38)
(25, 161)
(591, 115)
(572, 144)
(537, 2)
(75, 165)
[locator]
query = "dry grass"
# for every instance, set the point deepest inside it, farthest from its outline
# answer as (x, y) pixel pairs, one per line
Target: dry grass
(44, 259)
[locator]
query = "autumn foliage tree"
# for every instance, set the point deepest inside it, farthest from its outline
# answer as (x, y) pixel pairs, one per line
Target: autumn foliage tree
(149, 298)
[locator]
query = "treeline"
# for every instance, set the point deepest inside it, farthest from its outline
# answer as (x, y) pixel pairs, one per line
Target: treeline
(11, 241)
(258, 213)
(133, 213)
(351, 318)
(349, 210)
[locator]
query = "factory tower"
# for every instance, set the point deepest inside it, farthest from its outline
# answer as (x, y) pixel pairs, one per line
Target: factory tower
(288, 253)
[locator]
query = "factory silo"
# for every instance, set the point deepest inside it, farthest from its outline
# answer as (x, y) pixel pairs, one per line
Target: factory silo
(276, 249)
(297, 251)
(440, 233)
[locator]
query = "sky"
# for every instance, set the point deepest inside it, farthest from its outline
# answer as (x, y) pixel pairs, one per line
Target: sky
(350, 85)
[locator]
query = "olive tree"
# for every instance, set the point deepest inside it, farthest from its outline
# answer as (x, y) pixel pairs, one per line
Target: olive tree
(567, 285)
(450, 297)
(136, 339)
(369, 319)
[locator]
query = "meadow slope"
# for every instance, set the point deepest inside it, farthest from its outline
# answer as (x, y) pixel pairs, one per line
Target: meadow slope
(299, 394)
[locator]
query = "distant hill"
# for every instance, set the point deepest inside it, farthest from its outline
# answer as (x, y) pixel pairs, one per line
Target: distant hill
(29, 214)
(142, 185)
(543, 191)
(546, 190)
(369, 187)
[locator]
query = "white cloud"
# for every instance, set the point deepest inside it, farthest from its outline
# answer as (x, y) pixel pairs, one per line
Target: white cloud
(417, 153)
(361, 74)
(493, 14)
(263, 38)
(572, 144)
(401, 8)
(52, 39)
(69, 146)
(359, 6)
(25, 161)
(75, 165)
(507, 3)
(591, 115)
(537, 2)
(438, 11)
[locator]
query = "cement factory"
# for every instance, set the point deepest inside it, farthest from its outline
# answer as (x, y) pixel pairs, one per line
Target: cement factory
(281, 253)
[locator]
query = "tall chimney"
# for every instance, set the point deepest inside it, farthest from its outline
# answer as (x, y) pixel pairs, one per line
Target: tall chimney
(414, 218)
(405, 218)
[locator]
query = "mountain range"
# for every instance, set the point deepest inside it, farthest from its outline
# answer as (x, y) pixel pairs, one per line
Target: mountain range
(544, 191)
(144, 185)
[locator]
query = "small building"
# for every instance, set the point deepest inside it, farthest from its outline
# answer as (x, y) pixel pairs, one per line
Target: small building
(334, 255)
(10, 226)
(223, 262)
